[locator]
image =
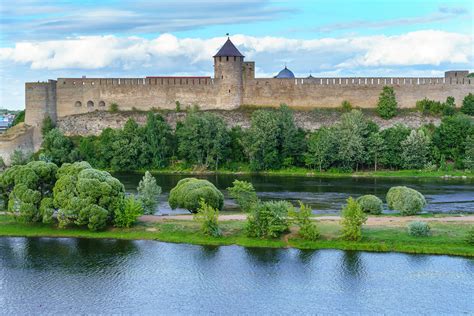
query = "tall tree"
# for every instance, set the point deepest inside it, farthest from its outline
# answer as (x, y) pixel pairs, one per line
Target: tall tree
(157, 136)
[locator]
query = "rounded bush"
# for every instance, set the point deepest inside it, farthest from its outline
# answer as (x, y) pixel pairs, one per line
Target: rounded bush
(405, 200)
(370, 204)
(189, 191)
(418, 229)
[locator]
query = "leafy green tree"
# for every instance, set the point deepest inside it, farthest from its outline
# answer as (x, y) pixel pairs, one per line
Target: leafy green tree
(244, 193)
(190, 191)
(89, 150)
(393, 137)
(86, 196)
(237, 150)
(57, 146)
(148, 193)
(268, 219)
(416, 149)
(352, 220)
(307, 228)
(375, 148)
(128, 148)
(47, 125)
(19, 118)
(20, 157)
(157, 137)
(387, 105)
(469, 152)
(292, 139)
(406, 200)
(449, 107)
(127, 213)
(208, 217)
(320, 152)
(370, 204)
(468, 104)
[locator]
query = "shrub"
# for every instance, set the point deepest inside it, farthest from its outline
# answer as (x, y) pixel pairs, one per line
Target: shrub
(406, 200)
(148, 193)
(20, 157)
(208, 217)
(352, 219)
(308, 229)
(468, 104)
(449, 107)
(346, 106)
(19, 118)
(128, 212)
(387, 105)
(178, 106)
(244, 193)
(470, 236)
(47, 126)
(114, 108)
(418, 229)
(268, 219)
(189, 191)
(370, 204)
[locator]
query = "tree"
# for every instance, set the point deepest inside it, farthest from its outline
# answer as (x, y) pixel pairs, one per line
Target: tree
(307, 229)
(375, 148)
(416, 149)
(47, 125)
(20, 157)
(370, 204)
(19, 118)
(352, 220)
(127, 213)
(320, 152)
(190, 191)
(148, 193)
(268, 219)
(387, 105)
(128, 148)
(208, 217)
(244, 193)
(392, 155)
(469, 153)
(406, 200)
(468, 104)
(292, 139)
(57, 147)
(157, 137)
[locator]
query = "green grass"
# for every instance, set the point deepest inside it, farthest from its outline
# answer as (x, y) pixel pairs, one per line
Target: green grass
(446, 238)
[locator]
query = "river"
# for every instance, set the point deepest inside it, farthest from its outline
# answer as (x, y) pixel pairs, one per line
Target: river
(327, 195)
(87, 276)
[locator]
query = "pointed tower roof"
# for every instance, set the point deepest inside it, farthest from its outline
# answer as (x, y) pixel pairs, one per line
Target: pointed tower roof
(229, 50)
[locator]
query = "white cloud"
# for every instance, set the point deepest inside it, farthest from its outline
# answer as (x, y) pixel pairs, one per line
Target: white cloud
(172, 54)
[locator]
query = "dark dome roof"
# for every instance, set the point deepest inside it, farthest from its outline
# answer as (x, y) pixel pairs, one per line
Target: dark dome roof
(285, 73)
(228, 50)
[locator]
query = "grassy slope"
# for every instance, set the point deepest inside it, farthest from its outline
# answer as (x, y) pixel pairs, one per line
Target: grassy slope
(446, 238)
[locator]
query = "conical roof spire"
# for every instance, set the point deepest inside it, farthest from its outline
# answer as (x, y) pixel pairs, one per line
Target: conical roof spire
(228, 50)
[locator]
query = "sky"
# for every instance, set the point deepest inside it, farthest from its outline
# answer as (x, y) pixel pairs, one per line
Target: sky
(41, 40)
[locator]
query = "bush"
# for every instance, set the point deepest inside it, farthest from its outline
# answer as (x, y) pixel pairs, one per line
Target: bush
(418, 229)
(114, 108)
(268, 219)
(148, 193)
(20, 157)
(346, 106)
(470, 236)
(387, 105)
(244, 193)
(47, 126)
(468, 104)
(308, 229)
(189, 191)
(128, 212)
(208, 217)
(352, 219)
(405, 200)
(370, 204)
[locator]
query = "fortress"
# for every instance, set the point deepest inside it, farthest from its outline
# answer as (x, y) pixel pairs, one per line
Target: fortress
(233, 85)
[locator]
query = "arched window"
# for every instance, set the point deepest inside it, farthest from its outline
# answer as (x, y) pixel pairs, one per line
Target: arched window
(101, 103)
(90, 104)
(78, 104)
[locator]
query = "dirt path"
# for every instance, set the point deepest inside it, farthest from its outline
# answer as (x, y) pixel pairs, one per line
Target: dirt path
(373, 221)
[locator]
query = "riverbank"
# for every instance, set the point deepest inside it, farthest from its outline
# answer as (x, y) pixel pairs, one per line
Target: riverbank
(447, 238)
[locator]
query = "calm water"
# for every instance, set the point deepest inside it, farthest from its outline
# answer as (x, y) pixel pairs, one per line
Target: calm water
(327, 195)
(80, 276)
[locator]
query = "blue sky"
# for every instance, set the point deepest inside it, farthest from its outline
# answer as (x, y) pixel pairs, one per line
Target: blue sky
(42, 40)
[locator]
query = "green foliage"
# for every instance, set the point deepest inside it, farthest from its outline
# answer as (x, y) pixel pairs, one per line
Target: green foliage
(47, 125)
(405, 200)
(387, 105)
(375, 148)
(190, 191)
(418, 229)
(128, 147)
(19, 118)
(307, 229)
(370, 204)
(86, 196)
(427, 106)
(415, 150)
(57, 147)
(127, 213)
(268, 219)
(392, 155)
(320, 152)
(208, 217)
(148, 193)
(244, 193)
(352, 220)
(2, 164)
(470, 236)
(113, 108)
(346, 106)
(20, 157)
(158, 139)
(178, 106)
(468, 104)
(469, 153)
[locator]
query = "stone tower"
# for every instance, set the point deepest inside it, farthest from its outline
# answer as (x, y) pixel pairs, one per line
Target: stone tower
(228, 64)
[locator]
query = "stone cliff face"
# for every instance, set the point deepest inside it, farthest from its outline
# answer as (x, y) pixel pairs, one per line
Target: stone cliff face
(93, 123)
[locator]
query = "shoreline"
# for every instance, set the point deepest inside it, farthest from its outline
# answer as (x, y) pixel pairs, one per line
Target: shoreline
(448, 237)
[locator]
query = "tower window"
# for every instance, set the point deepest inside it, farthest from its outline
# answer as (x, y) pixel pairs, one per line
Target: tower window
(90, 104)
(78, 104)
(229, 90)
(101, 103)
(227, 58)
